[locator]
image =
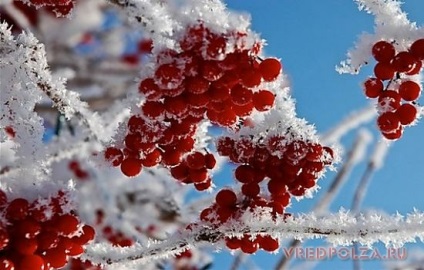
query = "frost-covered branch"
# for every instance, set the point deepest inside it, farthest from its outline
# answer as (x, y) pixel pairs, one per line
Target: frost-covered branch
(341, 228)
(28, 56)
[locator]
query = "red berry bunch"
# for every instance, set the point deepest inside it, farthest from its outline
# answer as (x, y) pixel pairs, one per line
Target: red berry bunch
(250, 245)
(194, 169)
(213, 76)
(288, 167)
(397, 68)
(39, 235)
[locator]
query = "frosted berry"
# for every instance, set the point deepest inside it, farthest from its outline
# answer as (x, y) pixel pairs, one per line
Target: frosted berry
(131, 166)
(383, 51)
(270, 68)
(31, 262)
(373, 87)
(226, 198)
(407, 113)
(263, 100)
(114, 156)
(384, 71)
(417, 49)
(388, 122)
(17, 209)
(409, 90)
(403, 62)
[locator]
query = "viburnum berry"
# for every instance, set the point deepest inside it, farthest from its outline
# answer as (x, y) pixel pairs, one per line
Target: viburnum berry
(203, 185)
(31, 262)
(250, 189)
(248, 246)
(383, 51)
(270, 68)
(263, 100)
(417, 49)
(198, 176)
(416, 69)
(67, 224)
(403, 62)
(168, 76)
(407, 113)
(394, 134)
(268, 243)
(210, 161)
(114, 156)
(152, 159)
(389, 100)
(409, 90)
(226, 118)
(4, 238)
(226, 198)
(241, 95)
(388, 121)
(250, 77)
(150, 89)
(232, 242)
(55, 257)
(211, 70)
(244, 173)
(384, 71)
(373, 87)
(244, 110)
(17, 209)
(25, 246)
(131, 166)
(196, 160)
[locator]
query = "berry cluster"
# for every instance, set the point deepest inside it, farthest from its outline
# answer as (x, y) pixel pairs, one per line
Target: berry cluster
(214, 76)
(396, 68)
(39, 235)
(289, 168)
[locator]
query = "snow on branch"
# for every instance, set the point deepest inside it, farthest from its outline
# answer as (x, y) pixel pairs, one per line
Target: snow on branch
(391, 23)
(342, 228)
(28, 59)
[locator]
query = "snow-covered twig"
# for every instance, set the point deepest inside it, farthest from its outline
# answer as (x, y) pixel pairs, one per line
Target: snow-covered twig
(342, 228)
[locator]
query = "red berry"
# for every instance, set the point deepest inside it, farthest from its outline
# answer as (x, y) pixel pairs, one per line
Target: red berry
(25, 246)
(383, 51)
(270, 68)
(250, 189)
(232, 242)
(198, 176)
(407, 113)
(394, 134)
(114, 156)
(211, 70)
(67, 224)
(153, 109)
(384, 71)
(47, 240)
(131, 166)
(168, 76)
(403, 62)
(245, 173)
(197, 85)
(55, 257)
(417, 68)
(150, 89)
(152, 159)
(28, 228)
(17, 209)
(227, 118)
(196, 161)
(373, 87)
(171, 158)
(204, 185)
(250, 78)
(263, 100)
(389, 101)
(210, 161)
(388, 122)
(176, 107)
(244, 110)
(226, 198)
(417, 49)
(409, 90)
(268, 243)
(241, 95)
(248, 246)
(31, 262)
(215, 48)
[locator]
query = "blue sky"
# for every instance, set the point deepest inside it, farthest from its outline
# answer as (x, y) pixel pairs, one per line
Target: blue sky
(311, 38)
